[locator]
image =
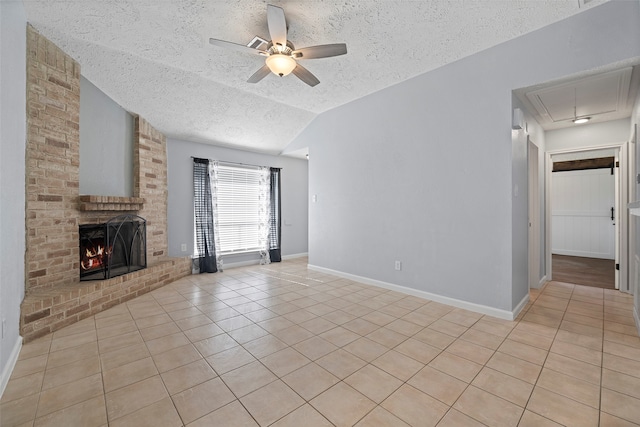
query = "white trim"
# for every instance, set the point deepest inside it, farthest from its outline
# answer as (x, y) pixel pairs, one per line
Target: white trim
(478, 308)
(548, 169)
(292, 256)
(542, 282)
(636, 317)
(256, 261)
(523, 302)
(584, 254)
(587, 148)
(11, 363)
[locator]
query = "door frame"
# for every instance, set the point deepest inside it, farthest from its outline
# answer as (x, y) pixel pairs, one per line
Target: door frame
(623, 213)
(617, 219)
(533, 164)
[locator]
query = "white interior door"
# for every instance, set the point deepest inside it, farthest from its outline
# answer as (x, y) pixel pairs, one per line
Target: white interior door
(582, 203)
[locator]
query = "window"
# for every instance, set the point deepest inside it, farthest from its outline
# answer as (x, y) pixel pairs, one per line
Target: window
(233, 212)
(239, 204)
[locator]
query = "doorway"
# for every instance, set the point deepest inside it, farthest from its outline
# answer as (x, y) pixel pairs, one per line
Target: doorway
(585, 235)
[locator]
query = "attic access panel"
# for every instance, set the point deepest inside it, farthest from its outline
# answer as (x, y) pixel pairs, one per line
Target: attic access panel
(591, 96)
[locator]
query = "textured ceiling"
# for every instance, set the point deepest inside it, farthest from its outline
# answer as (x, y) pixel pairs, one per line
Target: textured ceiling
(606, 95)
(154, 59)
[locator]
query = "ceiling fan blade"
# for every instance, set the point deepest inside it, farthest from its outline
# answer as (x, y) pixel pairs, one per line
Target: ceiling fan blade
(277, 25)
(236, 46)
(259, 75)
(305, 75)
(321, 51)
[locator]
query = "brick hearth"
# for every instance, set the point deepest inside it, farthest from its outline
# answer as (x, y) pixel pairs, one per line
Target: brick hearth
(46, 310)
(55, 297)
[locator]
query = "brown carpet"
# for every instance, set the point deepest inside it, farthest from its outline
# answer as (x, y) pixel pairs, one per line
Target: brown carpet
(599, 273)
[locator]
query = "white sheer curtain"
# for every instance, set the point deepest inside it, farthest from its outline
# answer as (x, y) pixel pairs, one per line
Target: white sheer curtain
(213, 175)
(264, 225)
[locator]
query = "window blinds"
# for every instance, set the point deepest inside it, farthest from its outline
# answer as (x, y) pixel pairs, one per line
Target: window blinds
(238, 209)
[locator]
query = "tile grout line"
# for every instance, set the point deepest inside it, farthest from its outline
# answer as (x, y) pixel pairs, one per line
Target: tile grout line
(372, 310)
(547, 355)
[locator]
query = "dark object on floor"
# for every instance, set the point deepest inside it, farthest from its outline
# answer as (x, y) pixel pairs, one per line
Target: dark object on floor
(599, 273)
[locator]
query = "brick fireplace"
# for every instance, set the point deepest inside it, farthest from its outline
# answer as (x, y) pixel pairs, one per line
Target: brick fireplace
(54, 295)
(113, 248)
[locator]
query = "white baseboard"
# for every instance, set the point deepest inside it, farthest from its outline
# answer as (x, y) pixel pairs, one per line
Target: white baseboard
(10, 364)
(582, 254)
(523, 302)
(257, 261)
(541, 282)
(478, 308)
(293, 256)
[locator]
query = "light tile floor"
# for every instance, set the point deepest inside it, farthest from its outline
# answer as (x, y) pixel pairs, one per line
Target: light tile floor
(285, 346)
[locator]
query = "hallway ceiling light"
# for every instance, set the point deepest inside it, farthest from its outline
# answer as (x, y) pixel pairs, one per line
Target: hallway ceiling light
(577, 120)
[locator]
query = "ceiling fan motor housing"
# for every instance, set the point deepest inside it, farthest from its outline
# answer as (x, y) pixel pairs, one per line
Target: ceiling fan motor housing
(277, 48)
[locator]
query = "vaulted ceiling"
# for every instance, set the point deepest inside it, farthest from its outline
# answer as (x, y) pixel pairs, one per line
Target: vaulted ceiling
(153, 57)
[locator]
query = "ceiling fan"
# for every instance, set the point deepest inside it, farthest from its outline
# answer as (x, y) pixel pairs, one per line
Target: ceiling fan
(280, 53)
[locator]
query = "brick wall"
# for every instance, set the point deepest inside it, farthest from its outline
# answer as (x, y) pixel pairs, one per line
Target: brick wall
(55, 297)
(150, 183)
(53, 153)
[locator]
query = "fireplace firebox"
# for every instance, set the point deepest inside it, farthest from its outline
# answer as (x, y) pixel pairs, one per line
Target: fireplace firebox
(117, 247)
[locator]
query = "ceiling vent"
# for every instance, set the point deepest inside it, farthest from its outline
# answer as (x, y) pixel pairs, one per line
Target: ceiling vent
(258, 43)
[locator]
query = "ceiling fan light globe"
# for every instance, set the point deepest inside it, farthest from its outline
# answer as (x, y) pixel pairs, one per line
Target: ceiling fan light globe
(281, 65)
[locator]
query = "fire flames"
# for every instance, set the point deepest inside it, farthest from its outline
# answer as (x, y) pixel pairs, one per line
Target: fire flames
(94, 257)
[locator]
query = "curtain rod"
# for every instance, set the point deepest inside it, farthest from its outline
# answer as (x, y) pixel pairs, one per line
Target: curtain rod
(238, 163)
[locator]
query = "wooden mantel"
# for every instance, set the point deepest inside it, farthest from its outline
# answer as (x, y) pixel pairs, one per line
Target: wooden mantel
(111, 203)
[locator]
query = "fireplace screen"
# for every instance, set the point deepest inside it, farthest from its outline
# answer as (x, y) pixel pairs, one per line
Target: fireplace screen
(116, 247)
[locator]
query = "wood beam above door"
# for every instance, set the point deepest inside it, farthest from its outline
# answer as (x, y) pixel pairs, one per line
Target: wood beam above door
(584, 164)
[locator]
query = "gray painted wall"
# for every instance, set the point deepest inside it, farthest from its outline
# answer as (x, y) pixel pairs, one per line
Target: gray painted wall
(106, 144)
(12, 176)
(425, 171)
(294, 187)
(588, 135)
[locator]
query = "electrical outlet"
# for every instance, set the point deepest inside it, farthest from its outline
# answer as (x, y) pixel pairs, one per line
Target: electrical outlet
(398, 265)
(184, 247)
